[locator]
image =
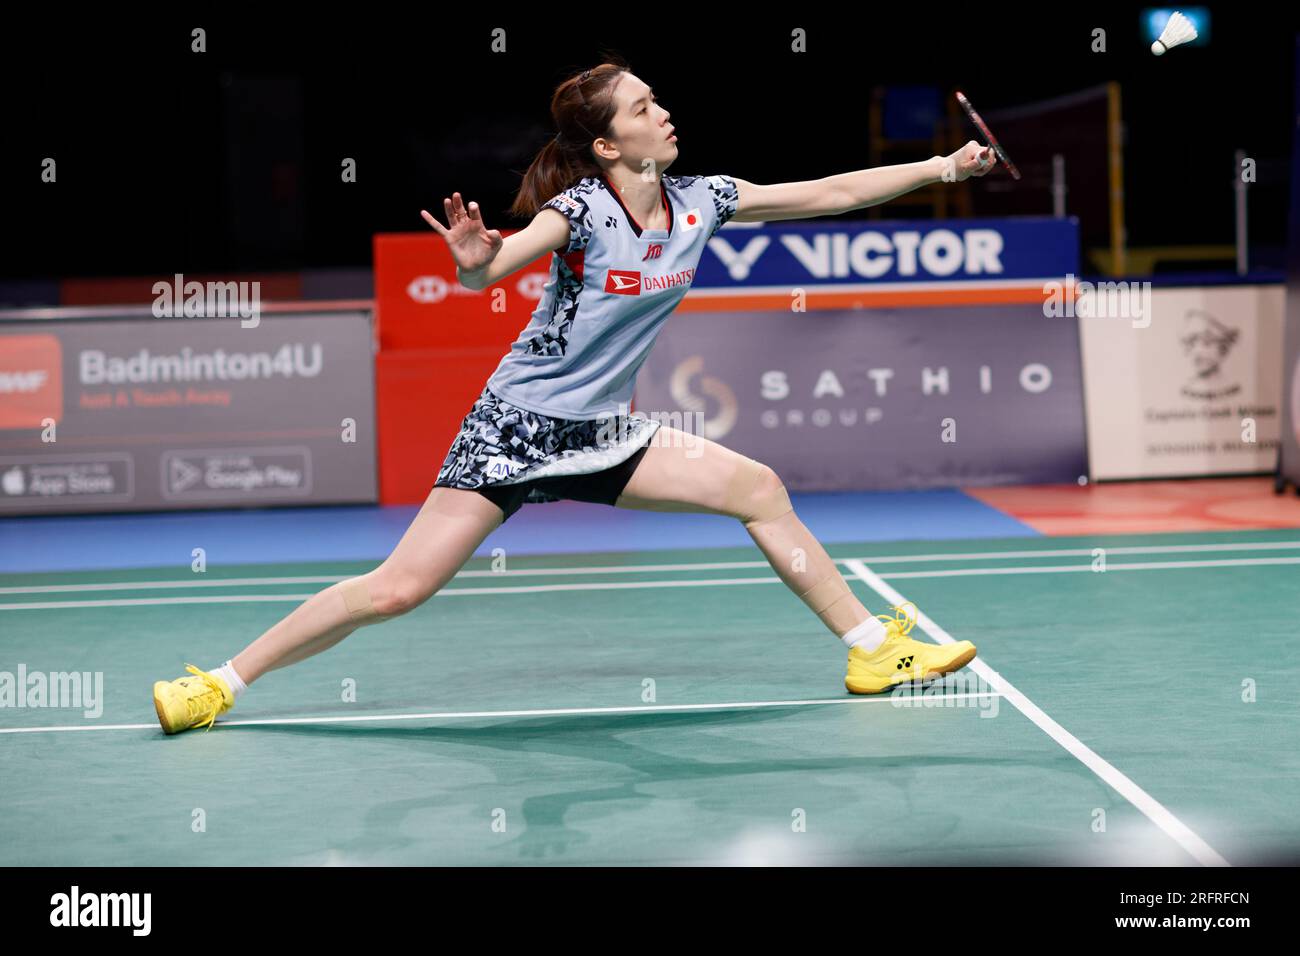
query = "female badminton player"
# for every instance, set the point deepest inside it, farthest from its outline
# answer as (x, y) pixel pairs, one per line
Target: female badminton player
(552, 423)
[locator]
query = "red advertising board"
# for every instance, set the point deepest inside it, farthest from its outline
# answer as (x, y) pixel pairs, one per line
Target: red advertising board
(420, 304)
(438, 343)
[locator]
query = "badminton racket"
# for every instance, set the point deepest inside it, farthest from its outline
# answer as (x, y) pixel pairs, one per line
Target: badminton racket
(988, 135)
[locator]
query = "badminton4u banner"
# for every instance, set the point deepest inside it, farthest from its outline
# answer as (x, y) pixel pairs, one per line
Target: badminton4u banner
(169, 414)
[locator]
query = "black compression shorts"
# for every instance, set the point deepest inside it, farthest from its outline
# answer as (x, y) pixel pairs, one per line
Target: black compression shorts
(600, 487)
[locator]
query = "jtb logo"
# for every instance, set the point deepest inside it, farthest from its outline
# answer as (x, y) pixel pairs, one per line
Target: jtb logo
(623, 282)
(654, 252)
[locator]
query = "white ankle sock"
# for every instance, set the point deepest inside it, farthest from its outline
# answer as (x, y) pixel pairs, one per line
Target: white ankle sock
(868, 635)
(227, 673)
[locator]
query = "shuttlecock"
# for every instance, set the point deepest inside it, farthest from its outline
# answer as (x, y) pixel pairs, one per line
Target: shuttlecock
(1178, 30)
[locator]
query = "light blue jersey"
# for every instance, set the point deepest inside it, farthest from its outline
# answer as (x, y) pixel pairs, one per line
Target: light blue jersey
(610, 290)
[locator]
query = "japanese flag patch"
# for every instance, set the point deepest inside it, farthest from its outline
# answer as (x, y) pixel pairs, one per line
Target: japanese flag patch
(692, 220)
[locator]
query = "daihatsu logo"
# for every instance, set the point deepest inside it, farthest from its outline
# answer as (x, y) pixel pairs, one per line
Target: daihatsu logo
(622, 282)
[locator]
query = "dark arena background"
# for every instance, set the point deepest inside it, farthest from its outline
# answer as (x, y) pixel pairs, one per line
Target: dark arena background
(1058, 414)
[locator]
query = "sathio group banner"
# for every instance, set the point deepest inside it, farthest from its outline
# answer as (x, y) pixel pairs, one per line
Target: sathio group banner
(879, 398)
(159, 413)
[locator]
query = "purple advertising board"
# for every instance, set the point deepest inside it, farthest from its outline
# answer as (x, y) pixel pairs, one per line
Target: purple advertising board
(879, 398)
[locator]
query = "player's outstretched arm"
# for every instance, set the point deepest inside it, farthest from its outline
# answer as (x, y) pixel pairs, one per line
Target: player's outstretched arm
(483, 256)
(857, 190)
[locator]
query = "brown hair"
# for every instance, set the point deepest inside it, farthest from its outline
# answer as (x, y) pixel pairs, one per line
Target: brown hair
(582, 108)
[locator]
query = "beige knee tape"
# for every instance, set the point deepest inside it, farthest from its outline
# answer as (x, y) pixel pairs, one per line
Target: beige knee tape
(832, 601)
(742, 502)
(356, 594)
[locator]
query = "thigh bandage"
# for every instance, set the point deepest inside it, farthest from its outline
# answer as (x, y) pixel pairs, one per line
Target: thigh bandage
(747, 502)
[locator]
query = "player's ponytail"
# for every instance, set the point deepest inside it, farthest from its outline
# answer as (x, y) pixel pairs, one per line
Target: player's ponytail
(582, 108)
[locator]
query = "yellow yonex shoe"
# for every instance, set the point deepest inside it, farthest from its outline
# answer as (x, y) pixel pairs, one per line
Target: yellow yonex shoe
(899, 659)
(191, 701)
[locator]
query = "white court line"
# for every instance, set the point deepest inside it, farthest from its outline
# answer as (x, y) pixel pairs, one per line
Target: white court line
(152, 585)
(1065, 568)
(634, 585)
(656, 568)
(554, 712)
(1156, 812)
(449, 592)
(1074, 552)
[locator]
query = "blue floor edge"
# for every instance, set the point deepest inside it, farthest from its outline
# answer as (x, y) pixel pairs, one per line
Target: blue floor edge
(33, 544)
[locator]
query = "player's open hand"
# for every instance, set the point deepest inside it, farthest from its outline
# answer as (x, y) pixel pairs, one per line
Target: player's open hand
(971, 160)
(472, 244)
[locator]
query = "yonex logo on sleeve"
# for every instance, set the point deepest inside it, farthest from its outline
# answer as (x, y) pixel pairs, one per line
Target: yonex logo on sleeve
(569, 201)
(622, 282)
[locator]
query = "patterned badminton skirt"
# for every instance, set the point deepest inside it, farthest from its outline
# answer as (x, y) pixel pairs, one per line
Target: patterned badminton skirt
(515, 456)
